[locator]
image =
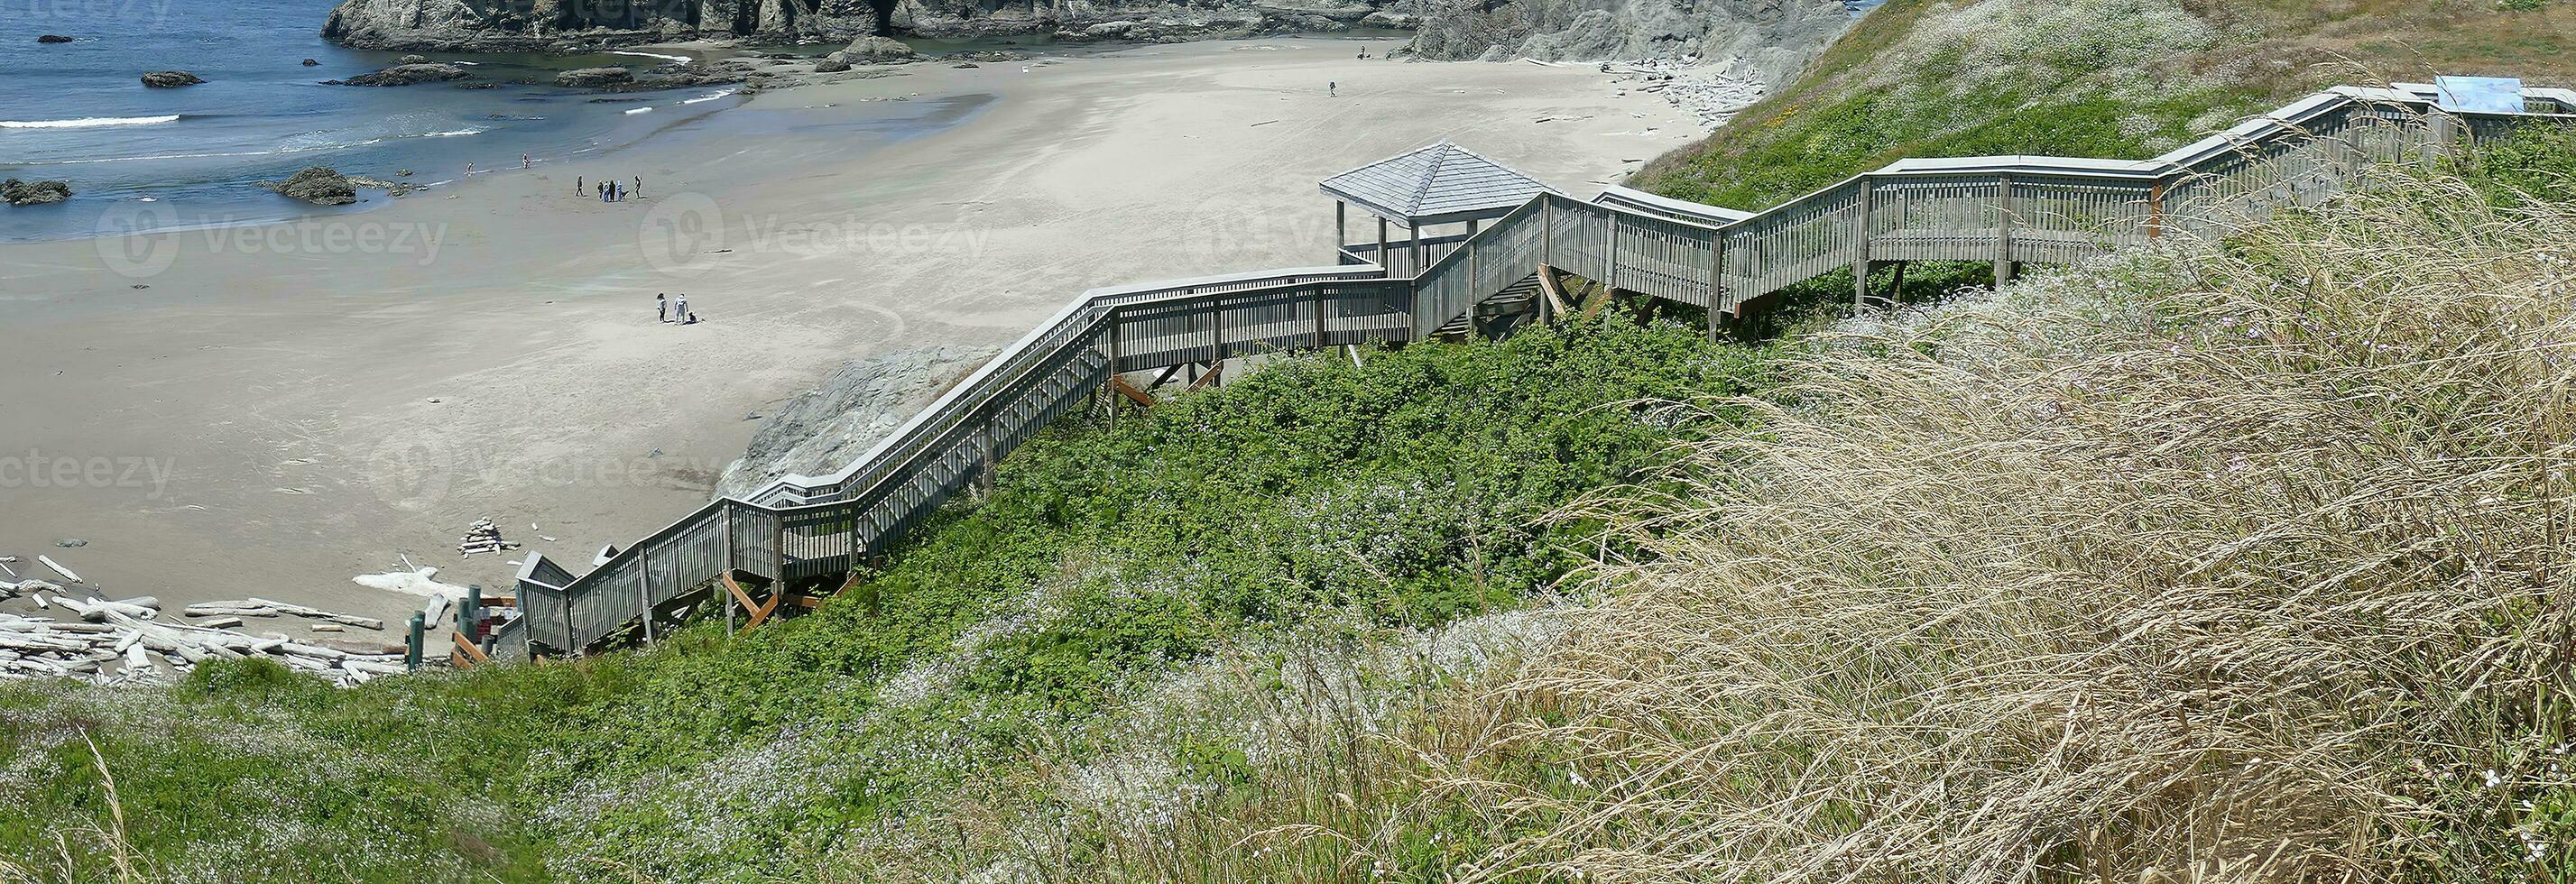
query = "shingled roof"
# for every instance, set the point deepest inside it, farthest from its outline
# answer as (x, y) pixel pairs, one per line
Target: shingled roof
(1435, 184)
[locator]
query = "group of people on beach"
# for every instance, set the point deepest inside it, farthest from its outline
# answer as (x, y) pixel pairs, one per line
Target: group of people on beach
(674, 309)
(609, 190)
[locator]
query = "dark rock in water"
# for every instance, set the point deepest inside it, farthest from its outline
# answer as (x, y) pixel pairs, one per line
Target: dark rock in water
(831, 64)
(594, 78)
(405, 75)
(34, 193)
(317, 185)
(965, 64)
(404, 173)
(478, 85)
(412, 59)
(170, 79)
(310, 63)
(52, 38)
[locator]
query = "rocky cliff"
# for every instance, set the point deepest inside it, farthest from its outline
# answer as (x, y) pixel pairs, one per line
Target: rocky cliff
(1767, 41)
(535, 25)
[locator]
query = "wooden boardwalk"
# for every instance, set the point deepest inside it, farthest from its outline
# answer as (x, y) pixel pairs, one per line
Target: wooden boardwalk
(2009, 210)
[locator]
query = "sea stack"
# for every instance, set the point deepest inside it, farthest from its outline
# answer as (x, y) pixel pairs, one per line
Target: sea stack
(317, 185)
(34, 193)
(170, 79)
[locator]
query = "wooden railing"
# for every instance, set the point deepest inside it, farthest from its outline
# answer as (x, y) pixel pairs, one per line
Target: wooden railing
(2003, 209)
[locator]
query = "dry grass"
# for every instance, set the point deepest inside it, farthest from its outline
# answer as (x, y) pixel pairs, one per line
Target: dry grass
(2240, 567)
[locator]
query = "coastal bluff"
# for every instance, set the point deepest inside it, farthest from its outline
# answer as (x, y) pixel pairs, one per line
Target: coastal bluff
(550, 25)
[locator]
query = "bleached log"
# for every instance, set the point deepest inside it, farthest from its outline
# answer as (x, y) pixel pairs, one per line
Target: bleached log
(142, 601)
(134, 657)
(221, 622)
(59, 569)
(319, 614)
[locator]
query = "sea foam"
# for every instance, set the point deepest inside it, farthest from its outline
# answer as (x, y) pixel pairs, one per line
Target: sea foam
(87, 122)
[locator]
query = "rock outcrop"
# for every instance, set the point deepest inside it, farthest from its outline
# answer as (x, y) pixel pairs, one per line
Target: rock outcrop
(1767, 41)
(877, 50)
(317, 185)
(170, 79)
(827, 427)
(595, 78)
(52, 38)
(406, 73)
(34, 193)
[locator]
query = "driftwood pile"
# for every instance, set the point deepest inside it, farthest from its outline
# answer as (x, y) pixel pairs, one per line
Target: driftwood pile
(483, 537)
(125, 640)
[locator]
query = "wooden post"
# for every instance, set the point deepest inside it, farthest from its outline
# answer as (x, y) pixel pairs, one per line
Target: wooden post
(1475, 284)
(644, 589)
(1547, 230)
(2156, 211)
(1610, 248)
(1114, 326)
(1321, 297)
(984, 449)
(1418, 264)
(1716, 282)
(1341, 228)
(1860, 239)
(2003, 231)
(572, 639)
(413, 647)
(1381, 247)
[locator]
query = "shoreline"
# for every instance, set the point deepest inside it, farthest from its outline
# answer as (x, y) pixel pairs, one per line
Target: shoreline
(317, 416)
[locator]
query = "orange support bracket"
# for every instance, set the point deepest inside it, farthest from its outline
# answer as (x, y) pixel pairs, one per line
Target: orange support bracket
(759, 612)
(466, 655)
(1129, 390)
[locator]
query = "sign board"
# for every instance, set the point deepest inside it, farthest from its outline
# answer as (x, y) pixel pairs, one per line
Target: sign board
(2479, 95)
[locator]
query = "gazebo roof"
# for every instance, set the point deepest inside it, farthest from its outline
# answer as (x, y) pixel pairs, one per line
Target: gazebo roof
(1435, 184)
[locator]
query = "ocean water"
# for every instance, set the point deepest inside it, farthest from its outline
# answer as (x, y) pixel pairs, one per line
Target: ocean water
(78, 112)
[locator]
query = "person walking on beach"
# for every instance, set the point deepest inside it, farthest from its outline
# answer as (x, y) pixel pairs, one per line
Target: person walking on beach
(680, 305)
(662, 304)
(1332, 90)
(577, 183)
(639, 185)
(526, 163)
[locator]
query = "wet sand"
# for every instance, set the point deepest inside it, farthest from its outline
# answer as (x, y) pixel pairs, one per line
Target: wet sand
(287, 406)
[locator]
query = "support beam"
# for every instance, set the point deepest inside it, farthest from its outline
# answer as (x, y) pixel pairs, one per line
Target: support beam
(1552, 296)
(1418, 264)
(1341, 224)
(1215, 371)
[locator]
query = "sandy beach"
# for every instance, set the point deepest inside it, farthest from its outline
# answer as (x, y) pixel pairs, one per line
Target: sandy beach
(272, 410)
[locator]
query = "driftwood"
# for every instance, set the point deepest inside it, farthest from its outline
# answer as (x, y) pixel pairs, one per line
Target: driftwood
(59, 569)
(124, 635)
(259, 607)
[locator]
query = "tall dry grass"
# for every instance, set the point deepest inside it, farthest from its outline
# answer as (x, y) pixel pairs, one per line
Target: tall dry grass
(2245, 566)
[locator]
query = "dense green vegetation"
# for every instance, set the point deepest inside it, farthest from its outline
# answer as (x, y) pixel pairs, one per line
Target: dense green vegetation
(1313, 495)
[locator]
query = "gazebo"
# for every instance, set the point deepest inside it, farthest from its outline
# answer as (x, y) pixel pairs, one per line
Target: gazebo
(1433, 185)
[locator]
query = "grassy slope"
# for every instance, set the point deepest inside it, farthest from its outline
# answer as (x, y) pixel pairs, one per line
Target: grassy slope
(2090, 78)
(1313, 499)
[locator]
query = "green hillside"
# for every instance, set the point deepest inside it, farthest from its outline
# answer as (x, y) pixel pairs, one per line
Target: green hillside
(2089, 78)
